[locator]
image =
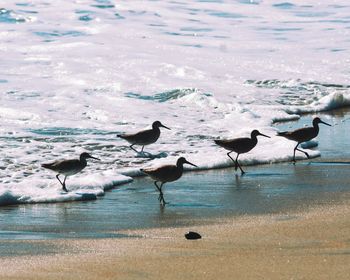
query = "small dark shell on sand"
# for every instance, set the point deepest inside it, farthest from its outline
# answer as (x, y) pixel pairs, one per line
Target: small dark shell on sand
(191, 235)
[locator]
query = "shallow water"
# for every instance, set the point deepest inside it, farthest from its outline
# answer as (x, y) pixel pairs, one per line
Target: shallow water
(193, 199)
(76, 74)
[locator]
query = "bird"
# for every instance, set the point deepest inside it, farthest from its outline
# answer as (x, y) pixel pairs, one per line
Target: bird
(240, 146)
(144, 137)
(165, 174)
(68, 167)
(303, 134)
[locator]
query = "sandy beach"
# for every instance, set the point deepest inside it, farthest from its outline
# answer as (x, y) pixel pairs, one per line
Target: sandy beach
(312, 244)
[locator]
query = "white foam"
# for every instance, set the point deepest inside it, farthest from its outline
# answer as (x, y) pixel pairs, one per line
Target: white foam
(329, 102)
(41, 190)
(207, 70)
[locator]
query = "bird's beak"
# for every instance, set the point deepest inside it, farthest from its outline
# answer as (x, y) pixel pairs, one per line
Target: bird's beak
(264, 135)
(165, 126)
(190, 163)
(94, 158)
(325, 123)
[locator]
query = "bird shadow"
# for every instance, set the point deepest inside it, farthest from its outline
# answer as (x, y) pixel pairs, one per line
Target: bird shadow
(151, 156)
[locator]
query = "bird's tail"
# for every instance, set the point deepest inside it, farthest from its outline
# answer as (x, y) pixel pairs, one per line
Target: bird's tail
(123, 136)
(143, 171)
(46, 165)
(219, 142)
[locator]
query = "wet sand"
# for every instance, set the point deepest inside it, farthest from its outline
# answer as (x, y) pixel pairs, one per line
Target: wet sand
(301, 245)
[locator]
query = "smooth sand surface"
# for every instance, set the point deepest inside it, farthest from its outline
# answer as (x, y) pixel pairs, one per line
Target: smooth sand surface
(313, 244)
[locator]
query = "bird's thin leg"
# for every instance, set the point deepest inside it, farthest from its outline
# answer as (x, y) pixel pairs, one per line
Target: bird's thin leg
(303, 152)
(228, 154)
(239, 165)
(58, 178)
(296, 147)
(160, 191)
(155, 183)
(236, 163)
(64, 184)
(142, 149)
(131, 146)
(162, 200)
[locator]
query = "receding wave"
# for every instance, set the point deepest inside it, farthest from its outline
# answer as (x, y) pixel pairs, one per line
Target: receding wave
(60, 131)
(164, 96)
(297, 96)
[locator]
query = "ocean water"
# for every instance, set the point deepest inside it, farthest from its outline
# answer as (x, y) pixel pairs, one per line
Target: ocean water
(76, 73)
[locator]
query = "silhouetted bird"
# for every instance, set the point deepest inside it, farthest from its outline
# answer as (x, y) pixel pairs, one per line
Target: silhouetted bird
(303, 134)
(144, 137)
(68, 167)
(240, 146)
(166, 173)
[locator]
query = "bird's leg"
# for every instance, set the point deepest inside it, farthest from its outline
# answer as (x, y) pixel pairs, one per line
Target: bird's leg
(228, 154)
(296, 148)
(64, 184)
(162, 200)
(58, 178)
(142, 149)
(160, 191)
(155, 183)
(239, 165)
(131, 146)
(236, 163)
(304, 153)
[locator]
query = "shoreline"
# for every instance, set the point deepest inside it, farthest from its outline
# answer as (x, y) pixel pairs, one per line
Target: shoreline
(311, 244)
(195, 199)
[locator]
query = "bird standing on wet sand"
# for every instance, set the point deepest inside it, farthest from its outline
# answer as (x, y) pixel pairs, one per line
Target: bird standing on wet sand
(303, 134)
(166, 173)
(68, 167)
(240, 146)
(144, 137)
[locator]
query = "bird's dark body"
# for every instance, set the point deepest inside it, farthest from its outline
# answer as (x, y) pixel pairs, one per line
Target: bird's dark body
(240, 146)
(144, 137)
(302, 135)
(166, 173)
(68, 167)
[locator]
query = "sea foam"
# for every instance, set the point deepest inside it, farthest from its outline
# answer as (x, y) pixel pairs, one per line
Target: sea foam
(83, 72)
(88, 187)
